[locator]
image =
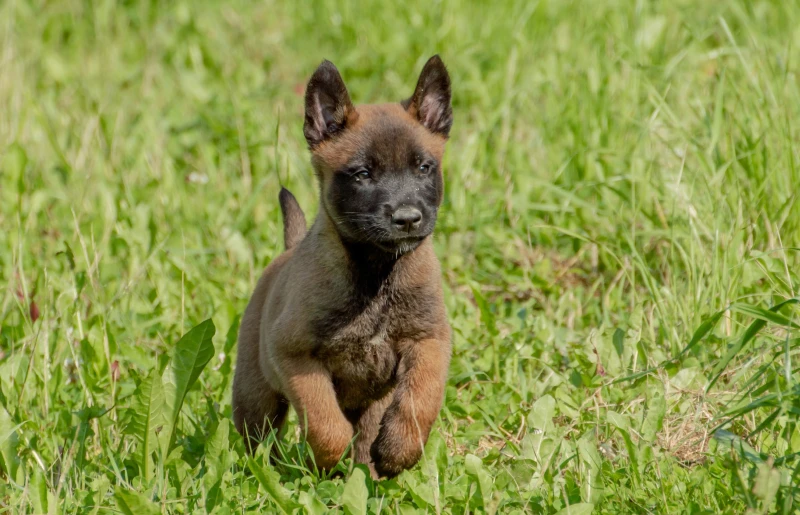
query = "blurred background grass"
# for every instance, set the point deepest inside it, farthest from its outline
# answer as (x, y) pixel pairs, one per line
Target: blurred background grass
(618, 173)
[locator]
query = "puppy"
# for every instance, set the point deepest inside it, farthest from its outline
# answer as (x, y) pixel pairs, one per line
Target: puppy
(348, 325)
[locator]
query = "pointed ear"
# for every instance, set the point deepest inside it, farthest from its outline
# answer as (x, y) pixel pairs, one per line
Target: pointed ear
(430, 103)
(328, 106)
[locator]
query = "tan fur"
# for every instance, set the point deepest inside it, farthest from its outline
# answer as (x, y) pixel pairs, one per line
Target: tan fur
(275, 362)
(331, 155)
(401, 345)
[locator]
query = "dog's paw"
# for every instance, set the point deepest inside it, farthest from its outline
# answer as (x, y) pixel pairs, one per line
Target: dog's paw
(330, 447)
(398, 446)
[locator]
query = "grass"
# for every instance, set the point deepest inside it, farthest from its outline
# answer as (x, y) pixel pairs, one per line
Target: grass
(620, 227)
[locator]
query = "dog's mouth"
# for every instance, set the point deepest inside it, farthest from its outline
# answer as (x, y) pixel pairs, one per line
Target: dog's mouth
(401, 245)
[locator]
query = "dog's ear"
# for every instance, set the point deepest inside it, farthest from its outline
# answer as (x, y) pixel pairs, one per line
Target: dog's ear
(430, 103)
(328, 106)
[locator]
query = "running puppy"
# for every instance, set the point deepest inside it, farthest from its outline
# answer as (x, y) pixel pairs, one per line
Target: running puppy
(348, 325)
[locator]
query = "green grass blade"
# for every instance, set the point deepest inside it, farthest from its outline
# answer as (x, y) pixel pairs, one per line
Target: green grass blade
(752, 330)
(767, 315)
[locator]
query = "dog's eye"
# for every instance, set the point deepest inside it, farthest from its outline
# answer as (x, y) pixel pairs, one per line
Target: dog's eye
(424, 169)
(361, 174)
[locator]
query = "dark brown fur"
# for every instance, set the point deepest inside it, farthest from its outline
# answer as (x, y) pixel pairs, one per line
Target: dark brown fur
(355, 338)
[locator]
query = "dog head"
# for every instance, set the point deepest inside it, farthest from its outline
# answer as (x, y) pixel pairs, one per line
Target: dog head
(379, 166)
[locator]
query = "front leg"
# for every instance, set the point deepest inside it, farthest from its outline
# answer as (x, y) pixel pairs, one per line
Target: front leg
(310, 390)
(367, 427)
(417, 400)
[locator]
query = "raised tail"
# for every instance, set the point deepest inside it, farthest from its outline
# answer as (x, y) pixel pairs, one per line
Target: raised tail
(294, 221)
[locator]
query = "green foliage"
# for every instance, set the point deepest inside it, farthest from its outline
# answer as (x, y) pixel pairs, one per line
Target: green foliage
(355, 494)
(132, 503)
(146, 418)
(619, 245)
(271, 481)
(192, 353)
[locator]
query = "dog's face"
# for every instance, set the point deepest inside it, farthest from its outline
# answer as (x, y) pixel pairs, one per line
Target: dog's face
(380, 165)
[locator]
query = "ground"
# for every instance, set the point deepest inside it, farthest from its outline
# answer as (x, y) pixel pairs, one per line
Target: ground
(620, 226)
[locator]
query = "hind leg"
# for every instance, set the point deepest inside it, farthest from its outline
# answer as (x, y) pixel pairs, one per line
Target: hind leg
(257, 412)
(367, 427)
(257, 407)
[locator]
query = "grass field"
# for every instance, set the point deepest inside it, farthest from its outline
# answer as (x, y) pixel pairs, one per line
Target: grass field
(620, 242)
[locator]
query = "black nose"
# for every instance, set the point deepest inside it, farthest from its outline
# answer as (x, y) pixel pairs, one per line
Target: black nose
(406, 218)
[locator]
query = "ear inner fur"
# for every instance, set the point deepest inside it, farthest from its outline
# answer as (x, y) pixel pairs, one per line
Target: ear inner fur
(328, 106)
(430, 103)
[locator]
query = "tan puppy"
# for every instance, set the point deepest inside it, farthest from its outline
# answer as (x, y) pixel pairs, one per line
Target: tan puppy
(348, 325)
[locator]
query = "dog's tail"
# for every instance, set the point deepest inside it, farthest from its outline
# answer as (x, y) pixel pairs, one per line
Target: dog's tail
(294, 221)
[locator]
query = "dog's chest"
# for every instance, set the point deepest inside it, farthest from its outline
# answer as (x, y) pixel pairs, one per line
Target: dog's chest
(358, 343)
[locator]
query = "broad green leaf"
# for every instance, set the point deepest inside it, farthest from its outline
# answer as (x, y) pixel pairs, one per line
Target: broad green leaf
(617, 420)
(618, 340)
(477, 472)
(407, 509)
(354, 497)
(85, 432)
(134, 503)
(271, 481)
(434, 466)
(656, 406)
(9, 439)
(582, 508)
(487, 317)
(192, 352)
(634, 332)
(146, 417)
(100, 489)
(436, 450)
(768, 480)
(421, 492)
(609, 356)
(38, 492)
(312, 504)
(217, 455)
(592, 487)
(622, 424)
(732, 441)
(542, 413)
